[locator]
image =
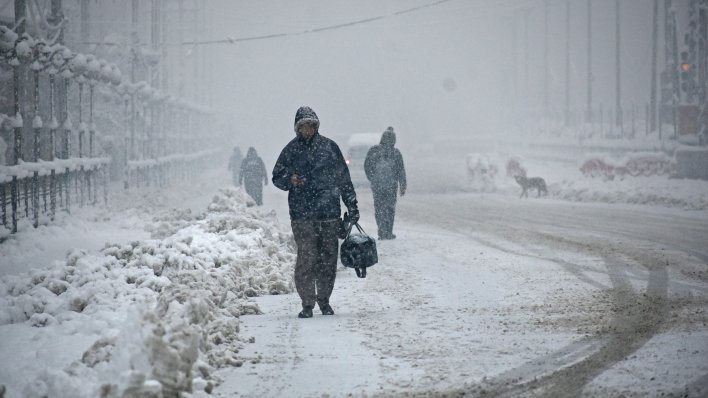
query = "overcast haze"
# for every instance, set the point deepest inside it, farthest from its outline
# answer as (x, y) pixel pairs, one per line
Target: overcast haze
(447, 68)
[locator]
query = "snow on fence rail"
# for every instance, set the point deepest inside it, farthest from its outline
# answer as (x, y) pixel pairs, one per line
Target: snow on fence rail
(44, 168)
(43, 187)
(34, 190)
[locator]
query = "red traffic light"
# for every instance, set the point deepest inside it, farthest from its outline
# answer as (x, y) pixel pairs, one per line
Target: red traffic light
(685, 67)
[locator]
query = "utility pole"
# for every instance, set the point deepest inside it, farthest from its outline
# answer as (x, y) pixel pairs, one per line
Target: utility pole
(155, 117)
(703, 65)
(133, 74)
(206, 29)
(654, 60)
(590, 78)
(164, 19)
(85, 21)
(618, 97)
(545, 59)
(180, 53)
(196, 52)
(514, 63)
(567, 63)
(526, 63)
(155, 39)
(670, 75)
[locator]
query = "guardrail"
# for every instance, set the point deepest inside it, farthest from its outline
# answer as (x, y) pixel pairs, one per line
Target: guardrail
(36, 191)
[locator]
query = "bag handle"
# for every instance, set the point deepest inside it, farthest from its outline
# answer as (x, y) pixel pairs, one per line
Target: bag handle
(361, 230)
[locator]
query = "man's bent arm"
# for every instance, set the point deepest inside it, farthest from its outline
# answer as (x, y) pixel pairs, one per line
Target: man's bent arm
(281, 175)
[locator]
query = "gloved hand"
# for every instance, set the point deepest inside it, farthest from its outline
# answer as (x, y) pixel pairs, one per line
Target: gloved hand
(353, 216)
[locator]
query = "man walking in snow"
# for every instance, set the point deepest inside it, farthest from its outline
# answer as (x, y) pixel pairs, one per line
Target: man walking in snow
(313, 171)
(253, 172)
(386, 173)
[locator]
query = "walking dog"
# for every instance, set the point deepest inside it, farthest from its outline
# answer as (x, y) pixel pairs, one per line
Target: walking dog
(530, 183)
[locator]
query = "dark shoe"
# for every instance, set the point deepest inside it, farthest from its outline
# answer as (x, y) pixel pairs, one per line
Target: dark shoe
(306, 312)
(392, 236)
(326, 309)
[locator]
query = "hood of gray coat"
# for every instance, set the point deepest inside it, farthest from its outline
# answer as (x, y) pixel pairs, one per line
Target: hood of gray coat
(388, 138)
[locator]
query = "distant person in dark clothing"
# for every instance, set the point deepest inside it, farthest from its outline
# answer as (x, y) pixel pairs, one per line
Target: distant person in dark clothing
(384, 170)
(235, 165)
(313, 171)
(254, 174)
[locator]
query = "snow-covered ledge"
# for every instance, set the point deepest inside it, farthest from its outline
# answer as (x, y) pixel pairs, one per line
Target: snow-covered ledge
(27, 169)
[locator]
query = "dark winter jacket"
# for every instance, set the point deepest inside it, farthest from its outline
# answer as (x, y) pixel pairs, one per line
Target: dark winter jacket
(252, 169)
(384, 165)
(320, 163)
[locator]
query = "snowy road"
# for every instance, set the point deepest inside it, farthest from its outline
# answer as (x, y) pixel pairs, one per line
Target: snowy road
(492, 294)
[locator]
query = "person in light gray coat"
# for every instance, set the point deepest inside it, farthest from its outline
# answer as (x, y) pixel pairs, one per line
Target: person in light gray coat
(254, 174)
(387, 175)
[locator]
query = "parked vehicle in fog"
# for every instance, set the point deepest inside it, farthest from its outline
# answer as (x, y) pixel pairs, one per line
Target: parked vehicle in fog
(357, 146)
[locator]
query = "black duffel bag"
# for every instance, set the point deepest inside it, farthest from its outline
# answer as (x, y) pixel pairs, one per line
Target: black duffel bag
(358, 251)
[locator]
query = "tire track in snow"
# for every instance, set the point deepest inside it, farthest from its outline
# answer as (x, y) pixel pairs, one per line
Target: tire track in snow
(630, 328)
(637, 316)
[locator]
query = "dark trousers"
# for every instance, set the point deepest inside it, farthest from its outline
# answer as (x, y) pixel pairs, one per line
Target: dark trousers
(254, 189)
(384, 210)
(316, 265)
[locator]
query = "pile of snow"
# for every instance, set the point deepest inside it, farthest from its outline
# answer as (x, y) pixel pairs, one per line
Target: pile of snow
(481, 172)
(657, 190)
(634, 164)
(165, 311)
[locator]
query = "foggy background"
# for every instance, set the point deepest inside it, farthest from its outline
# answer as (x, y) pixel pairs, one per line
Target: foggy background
(451, 76)
(448, 70)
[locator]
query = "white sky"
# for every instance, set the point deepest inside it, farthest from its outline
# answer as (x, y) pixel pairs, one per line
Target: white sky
(440, 69)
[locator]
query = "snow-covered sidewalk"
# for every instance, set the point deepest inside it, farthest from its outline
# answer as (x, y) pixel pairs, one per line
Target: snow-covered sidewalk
(437, 312)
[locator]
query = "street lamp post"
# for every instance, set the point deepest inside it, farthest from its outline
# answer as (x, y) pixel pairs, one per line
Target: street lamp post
(37, 129)
(82, 132)
(66, 150)
(56, 61)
